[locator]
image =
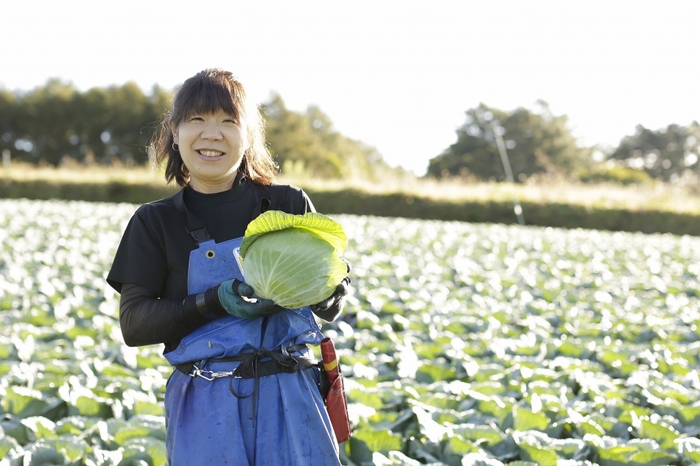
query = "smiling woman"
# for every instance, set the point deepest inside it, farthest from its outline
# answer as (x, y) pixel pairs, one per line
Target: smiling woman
(181, 286)
(212, 109)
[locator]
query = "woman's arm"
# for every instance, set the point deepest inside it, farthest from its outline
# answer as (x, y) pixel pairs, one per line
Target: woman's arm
(146, 320)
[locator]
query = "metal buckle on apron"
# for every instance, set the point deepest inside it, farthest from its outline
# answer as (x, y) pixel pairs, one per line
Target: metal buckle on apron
(281, 358)
(211, 375)
(280, 361)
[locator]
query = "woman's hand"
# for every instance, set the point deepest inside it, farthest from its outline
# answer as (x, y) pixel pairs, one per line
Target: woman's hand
(235, 297)
(338, 296)
(330, 308)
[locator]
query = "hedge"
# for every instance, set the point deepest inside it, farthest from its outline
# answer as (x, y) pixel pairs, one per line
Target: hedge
(352, 201)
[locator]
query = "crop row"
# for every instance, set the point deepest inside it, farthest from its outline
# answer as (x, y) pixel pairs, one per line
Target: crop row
(462, 344)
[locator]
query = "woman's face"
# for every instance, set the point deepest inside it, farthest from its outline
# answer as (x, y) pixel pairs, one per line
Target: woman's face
(212, 147)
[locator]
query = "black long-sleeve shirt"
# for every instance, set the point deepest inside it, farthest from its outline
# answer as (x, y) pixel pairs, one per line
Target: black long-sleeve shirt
(145, 319)
(151, 264)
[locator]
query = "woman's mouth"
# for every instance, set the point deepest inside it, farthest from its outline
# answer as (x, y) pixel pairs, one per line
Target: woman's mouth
(210, 153)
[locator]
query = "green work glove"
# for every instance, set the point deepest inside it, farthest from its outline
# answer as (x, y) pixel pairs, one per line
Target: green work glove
(337, 299)
(331, 307)
(235, 297)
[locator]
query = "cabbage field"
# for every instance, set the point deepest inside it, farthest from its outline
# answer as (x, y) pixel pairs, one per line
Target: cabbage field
(462, 344)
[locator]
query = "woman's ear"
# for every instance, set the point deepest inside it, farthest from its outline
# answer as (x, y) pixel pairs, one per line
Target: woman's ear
(173, 129)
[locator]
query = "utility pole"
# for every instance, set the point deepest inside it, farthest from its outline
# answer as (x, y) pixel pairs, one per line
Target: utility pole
(6, 166)
(517, 208)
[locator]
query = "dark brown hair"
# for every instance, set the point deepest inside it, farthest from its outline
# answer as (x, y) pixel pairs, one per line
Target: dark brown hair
(210, 91)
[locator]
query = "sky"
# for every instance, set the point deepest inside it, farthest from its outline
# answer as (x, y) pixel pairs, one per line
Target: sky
(395, 74)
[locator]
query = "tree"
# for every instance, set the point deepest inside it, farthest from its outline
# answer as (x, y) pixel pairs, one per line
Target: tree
(536, 142)
(8, 120)
(55, 121)
(44, 125)
(308, 142)
(664, 154)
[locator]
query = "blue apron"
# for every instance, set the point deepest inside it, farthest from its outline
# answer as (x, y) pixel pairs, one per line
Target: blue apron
(206, 423)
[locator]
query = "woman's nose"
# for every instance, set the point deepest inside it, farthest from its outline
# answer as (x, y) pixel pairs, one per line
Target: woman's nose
(212, 131)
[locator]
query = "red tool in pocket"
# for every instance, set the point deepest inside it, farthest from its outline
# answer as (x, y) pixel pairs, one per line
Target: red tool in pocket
(336, 400)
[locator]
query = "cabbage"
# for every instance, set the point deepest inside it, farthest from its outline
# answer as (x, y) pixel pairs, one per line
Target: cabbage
(294, 260)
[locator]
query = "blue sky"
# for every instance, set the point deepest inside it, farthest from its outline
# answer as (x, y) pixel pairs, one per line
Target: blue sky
(398, 75)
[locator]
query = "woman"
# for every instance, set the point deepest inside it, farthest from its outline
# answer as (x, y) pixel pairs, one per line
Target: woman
(245, 390)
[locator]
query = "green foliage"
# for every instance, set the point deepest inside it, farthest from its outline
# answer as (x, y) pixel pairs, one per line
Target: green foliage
(550, 346)
(307, 144)
(667, 154)
(614, 174)
(536, 142)
(524, 419)
(56, 121)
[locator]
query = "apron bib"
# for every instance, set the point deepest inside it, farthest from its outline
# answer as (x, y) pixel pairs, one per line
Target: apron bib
(206, 423)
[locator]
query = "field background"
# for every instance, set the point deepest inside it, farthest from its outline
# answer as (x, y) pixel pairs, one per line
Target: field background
(462, 343)
(653, 207)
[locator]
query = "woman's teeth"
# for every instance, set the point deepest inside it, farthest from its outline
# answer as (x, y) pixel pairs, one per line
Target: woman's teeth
(210, 153)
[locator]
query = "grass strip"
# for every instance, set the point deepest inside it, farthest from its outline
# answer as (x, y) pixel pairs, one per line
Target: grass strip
(344, 200)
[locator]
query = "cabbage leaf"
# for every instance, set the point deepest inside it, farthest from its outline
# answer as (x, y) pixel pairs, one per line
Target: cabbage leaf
(294, 260)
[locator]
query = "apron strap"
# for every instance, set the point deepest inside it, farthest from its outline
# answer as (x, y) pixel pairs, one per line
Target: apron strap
(276, 195)
(198, 229)
(195, 226)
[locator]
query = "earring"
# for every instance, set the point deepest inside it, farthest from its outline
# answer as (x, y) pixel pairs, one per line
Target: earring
(175, 147)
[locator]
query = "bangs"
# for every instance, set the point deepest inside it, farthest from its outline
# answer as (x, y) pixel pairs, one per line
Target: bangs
(207, 95)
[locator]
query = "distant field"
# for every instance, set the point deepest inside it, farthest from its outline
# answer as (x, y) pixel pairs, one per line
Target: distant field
(660, 197)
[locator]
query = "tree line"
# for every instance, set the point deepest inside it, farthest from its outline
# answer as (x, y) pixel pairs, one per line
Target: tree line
(537, 142)
(55, 123)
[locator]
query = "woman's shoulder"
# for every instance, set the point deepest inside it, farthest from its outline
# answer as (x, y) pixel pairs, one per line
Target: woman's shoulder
(290, 198)
(158, 210)
(277, 192)
(287, 189)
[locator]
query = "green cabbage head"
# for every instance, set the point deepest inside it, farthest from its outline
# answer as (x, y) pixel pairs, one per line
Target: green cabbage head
(294, 260)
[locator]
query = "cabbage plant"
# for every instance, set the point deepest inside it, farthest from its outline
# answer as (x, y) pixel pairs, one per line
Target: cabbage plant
(294, 260)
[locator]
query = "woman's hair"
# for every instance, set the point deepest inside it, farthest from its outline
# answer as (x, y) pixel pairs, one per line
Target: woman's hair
(210, 91)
